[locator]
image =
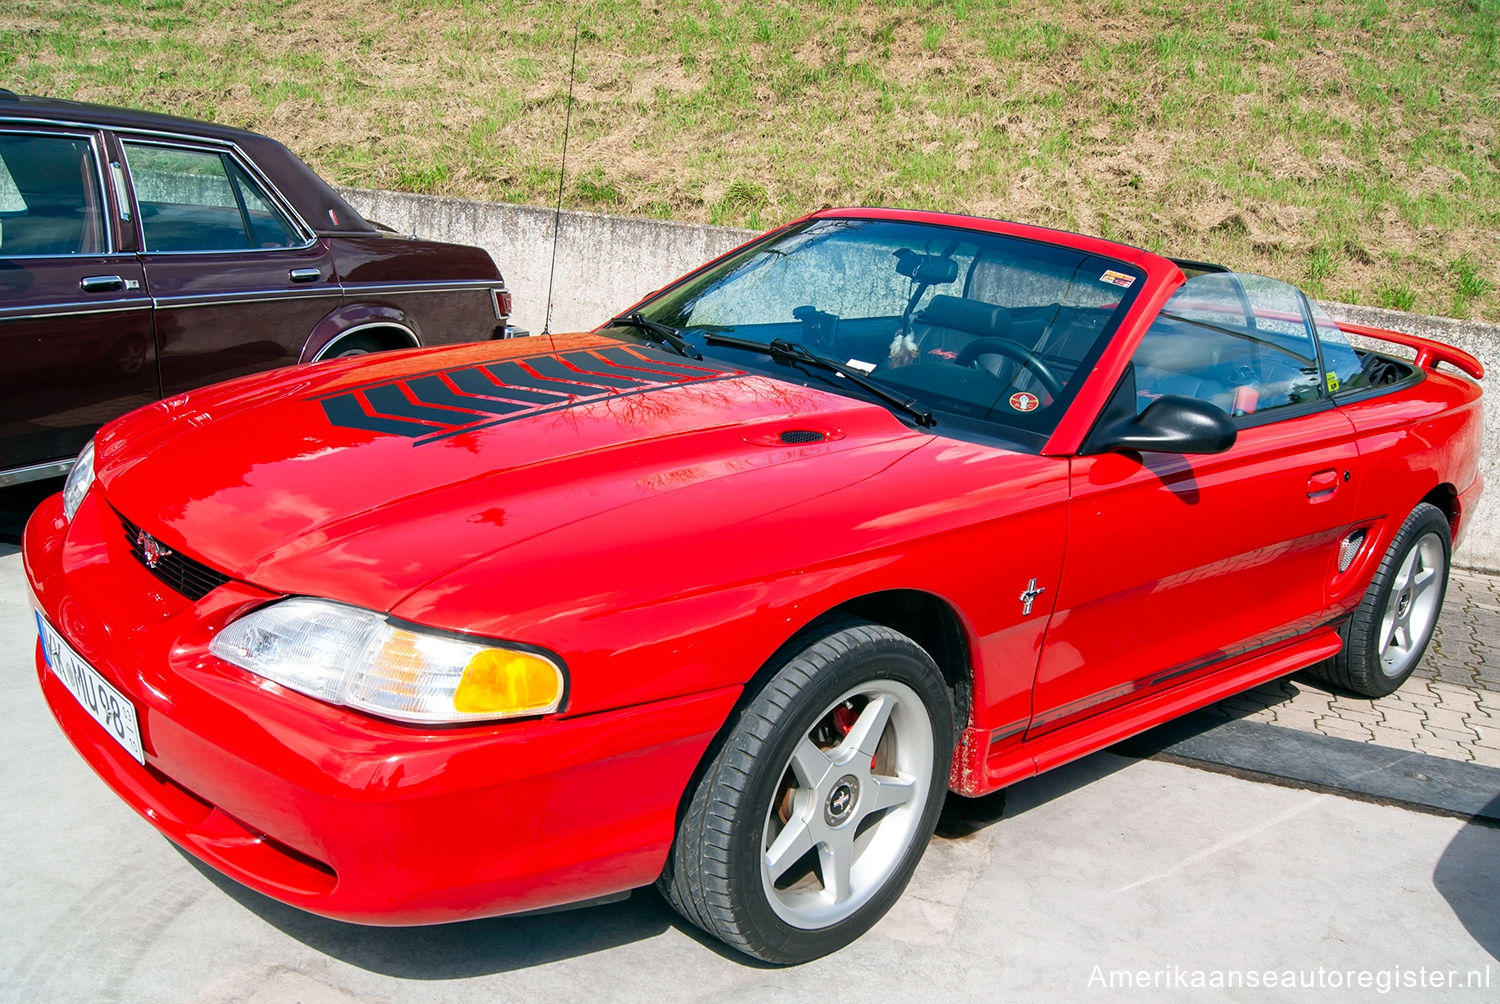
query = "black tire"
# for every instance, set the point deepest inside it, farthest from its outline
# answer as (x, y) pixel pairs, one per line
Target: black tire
(359, 345)
(754, 793)
(1388, 632)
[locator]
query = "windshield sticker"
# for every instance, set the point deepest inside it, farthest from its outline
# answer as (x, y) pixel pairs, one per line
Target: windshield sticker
(1024, 401)
(861, 365)
(1117, 278)
(1333, 383)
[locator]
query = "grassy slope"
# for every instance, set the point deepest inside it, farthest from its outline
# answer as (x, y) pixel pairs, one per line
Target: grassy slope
(1352, 146)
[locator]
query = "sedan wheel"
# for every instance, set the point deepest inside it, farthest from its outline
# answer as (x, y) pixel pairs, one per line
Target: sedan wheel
(820, 800)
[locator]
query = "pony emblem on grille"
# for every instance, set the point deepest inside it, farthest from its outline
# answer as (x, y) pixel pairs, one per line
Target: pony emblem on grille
(152, 550)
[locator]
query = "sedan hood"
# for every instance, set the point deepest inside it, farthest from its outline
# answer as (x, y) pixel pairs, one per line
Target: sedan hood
(364, 480)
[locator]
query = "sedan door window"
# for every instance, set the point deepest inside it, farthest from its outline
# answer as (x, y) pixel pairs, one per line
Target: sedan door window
(202, 200)
(50, 197)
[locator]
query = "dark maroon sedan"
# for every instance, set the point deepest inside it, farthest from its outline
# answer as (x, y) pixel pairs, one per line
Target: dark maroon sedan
(141, 255)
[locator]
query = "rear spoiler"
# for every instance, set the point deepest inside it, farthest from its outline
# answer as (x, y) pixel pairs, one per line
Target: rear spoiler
(1429, 352)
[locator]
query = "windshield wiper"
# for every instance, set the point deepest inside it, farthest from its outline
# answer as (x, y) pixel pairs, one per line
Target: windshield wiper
(655, 331)
(787, 352)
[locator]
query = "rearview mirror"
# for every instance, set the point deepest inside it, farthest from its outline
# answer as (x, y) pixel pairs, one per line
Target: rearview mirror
(1173, 423)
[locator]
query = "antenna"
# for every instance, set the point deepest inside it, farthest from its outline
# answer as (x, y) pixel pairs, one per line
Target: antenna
(562, 173)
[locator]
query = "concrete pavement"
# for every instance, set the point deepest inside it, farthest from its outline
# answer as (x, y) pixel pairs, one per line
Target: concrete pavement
(1112, 873)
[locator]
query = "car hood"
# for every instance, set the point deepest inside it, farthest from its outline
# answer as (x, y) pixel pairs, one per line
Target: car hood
(364, 480)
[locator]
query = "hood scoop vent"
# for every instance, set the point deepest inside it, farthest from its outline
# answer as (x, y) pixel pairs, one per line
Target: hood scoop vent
(797, 437)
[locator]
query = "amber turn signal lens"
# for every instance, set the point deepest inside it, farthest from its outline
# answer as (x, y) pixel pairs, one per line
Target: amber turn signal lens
(500, 681)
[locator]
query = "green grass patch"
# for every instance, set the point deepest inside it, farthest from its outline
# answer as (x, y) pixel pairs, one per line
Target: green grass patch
(1352, 146)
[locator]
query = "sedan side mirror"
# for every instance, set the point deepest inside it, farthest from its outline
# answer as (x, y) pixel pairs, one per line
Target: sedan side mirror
(1173, 423)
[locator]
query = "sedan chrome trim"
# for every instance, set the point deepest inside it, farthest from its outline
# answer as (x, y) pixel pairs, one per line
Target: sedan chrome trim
(73, 309)
(451, 286)
(36, 472)
(311, 242)
(248, 296)
(326, 352)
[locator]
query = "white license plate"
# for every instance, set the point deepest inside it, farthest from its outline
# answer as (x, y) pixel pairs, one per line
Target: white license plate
(104, 703)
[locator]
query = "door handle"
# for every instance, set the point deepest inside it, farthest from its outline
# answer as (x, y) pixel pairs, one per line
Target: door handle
(1322, 485)
(101, 283)
(305, 274)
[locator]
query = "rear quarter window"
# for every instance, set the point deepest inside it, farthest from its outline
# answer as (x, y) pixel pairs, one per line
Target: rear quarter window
(201, 200)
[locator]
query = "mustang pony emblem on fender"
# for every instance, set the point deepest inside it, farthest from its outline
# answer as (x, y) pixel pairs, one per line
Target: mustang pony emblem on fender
(1029, 596)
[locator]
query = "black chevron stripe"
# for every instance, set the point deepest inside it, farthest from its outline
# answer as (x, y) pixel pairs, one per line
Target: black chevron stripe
(432, 390)
(473, 381)
(628, 359)
(514, 375)
(389, 400)
(549, 366)
(345, 411)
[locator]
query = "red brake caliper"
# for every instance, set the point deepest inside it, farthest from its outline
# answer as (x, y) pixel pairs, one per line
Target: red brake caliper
(844, 718)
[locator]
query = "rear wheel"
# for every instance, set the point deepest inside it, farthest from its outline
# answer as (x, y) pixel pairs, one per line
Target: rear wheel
(1390, 629)
(810, 820)
(359, 345)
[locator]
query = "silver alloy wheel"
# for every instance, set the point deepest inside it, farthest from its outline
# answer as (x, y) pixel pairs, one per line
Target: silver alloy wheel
(1411, 610)
(849, 803)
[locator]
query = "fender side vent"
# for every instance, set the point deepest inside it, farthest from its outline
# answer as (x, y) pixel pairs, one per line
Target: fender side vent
(798, 436)
(1349, 548)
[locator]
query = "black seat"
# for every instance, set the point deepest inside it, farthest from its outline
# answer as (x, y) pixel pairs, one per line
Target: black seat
(947, 325)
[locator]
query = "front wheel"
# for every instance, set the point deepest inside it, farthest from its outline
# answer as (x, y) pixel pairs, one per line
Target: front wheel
(810, 820)
(1389, 631)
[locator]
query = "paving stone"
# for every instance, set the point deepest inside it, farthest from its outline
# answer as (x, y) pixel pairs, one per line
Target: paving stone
(1392, 738)
(1296, 718)
(1489, 740)
(1403, 719)
(1310, 700)
(1455, 696)
(1331, 726)
(1451, 735)
(1484, 755)
(1452, 721)
(1449, 751)
(1364, 712)
(1481, 719)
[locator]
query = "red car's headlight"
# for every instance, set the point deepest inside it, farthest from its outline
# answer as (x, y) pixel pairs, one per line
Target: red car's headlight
(79, 480)
(358, 658)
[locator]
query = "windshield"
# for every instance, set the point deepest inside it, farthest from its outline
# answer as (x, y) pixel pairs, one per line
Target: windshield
(988, 332)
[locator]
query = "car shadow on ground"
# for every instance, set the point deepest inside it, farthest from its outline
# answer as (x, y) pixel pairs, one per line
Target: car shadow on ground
(505, 944)
(1467, 878)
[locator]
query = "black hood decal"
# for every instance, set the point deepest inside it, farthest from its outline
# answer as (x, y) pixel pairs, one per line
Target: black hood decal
(435, 405)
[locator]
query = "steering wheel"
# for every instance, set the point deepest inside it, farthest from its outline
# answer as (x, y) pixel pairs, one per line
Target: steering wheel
(1011, 350)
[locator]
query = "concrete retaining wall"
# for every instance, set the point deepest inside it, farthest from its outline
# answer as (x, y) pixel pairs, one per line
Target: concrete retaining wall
(606, 263)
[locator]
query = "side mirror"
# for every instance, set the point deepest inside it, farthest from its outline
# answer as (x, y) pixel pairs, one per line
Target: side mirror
(1173, 423)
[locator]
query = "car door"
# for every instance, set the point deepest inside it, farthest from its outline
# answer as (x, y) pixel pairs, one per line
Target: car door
(238, 282)
(75, 317)
(1176, 565)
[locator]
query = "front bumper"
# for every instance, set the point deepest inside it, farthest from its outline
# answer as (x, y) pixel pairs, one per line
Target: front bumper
(334, 812)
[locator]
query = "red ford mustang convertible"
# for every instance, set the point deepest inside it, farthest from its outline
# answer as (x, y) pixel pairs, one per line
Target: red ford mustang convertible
(728, 594)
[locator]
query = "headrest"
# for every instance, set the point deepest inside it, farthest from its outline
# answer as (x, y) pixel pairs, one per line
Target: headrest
(972, 316)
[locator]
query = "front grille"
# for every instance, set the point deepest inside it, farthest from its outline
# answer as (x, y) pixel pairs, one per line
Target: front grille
(192, 579)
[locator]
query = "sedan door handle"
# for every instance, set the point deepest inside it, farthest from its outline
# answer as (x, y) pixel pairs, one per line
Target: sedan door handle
(305, 274)
(101, 283)
(1322, 485)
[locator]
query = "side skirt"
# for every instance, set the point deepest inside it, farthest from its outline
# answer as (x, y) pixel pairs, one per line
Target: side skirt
(1012, 764)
